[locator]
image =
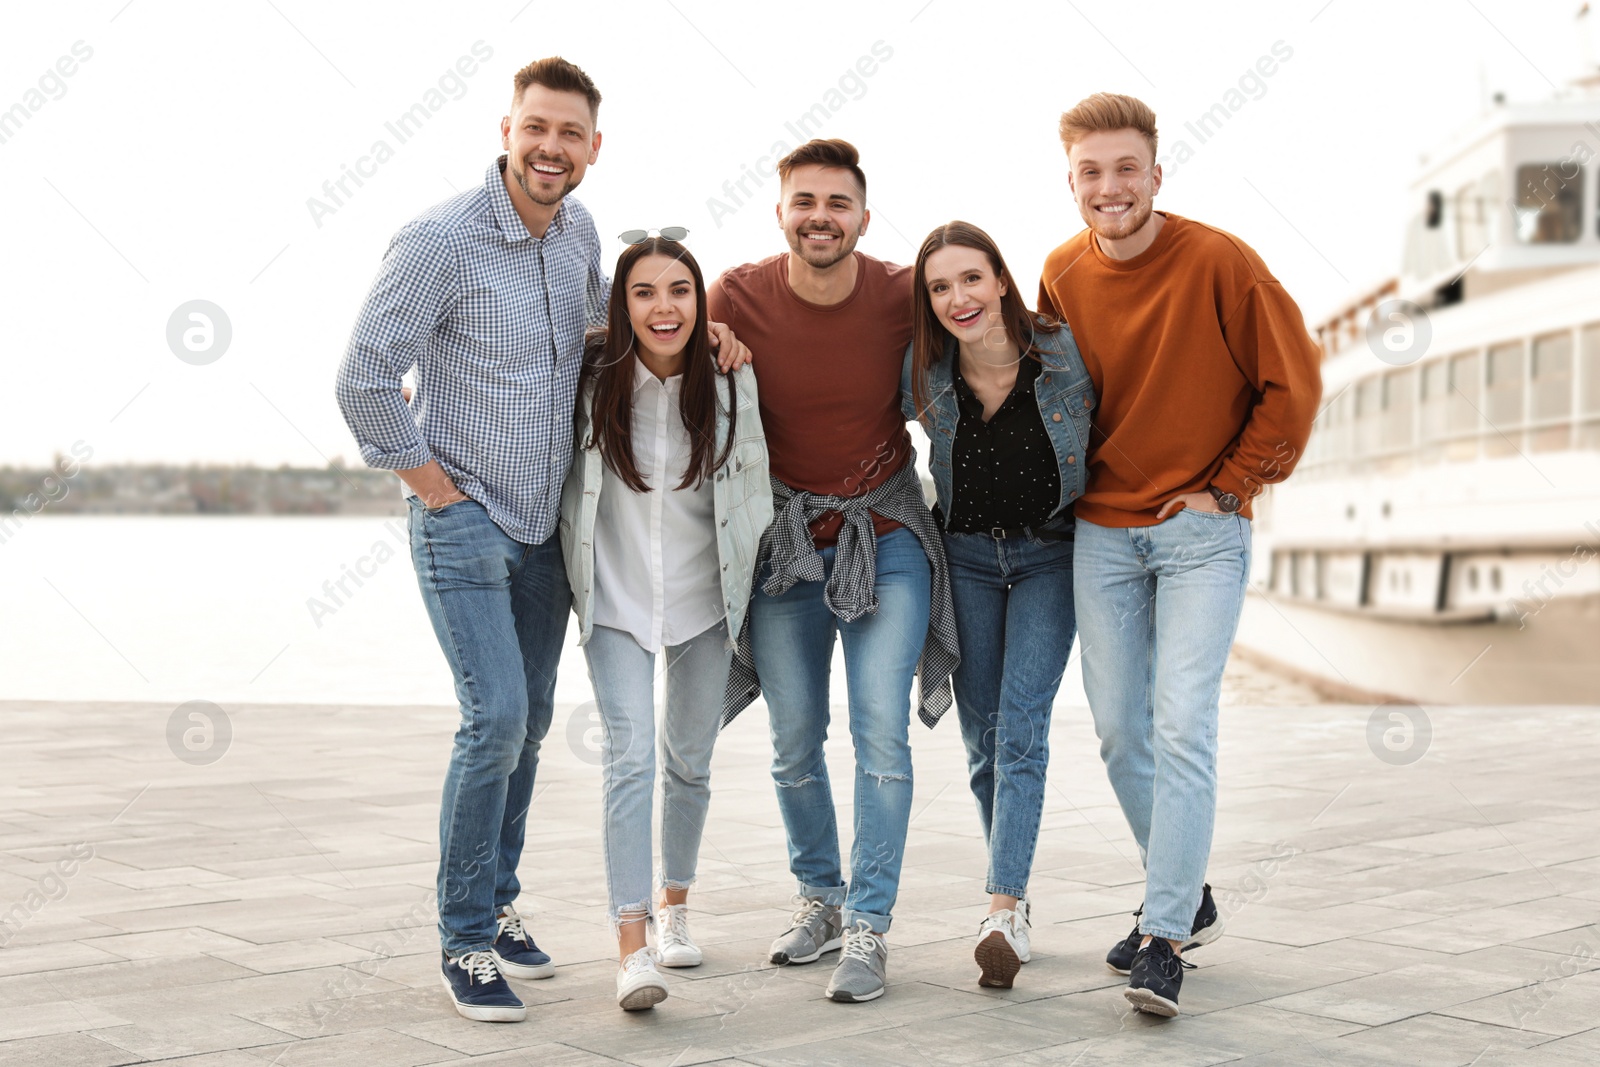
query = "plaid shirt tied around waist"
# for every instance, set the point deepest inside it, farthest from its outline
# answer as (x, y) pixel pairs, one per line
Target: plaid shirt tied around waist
(788, 547)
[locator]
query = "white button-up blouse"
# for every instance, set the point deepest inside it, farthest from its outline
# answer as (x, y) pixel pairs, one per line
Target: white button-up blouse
(655, 553)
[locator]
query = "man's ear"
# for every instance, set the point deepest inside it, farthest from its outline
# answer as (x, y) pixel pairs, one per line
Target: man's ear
(594, 147)
(866, 217)
(1155, 179)
(505, 133)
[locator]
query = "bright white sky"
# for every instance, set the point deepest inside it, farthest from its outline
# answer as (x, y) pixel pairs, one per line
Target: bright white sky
(177, 162)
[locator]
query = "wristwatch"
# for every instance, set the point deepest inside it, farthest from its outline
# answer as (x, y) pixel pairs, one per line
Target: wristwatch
(1229, 503)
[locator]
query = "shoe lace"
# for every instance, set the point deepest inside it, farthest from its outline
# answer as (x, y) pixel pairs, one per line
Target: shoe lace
(511, 926)
(1170, 962)
(480, 967)
(1005, 917)
(674, 923)
(643, 960)
(860, 943)
(809, 907)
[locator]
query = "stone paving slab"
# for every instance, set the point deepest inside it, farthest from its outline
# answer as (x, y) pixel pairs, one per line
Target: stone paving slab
(273, 907)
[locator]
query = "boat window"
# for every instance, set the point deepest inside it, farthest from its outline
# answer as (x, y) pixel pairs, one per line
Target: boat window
(1399, 405)
(1589, 386)
(1471, 232)
(1369, 399)
(1503, 398)
(1551, 399)
(1435, 393)
(1462, 418)
(1549, 202)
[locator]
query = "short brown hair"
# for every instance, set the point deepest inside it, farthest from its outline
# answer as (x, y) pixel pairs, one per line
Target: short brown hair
(1108, 111)
(556, 74)
(832, 152)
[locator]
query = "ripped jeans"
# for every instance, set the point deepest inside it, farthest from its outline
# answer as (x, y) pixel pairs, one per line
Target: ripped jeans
(792, 641)
(625, 683)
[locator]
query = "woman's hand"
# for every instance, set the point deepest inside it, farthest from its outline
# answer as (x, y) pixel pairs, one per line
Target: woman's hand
(731, 352)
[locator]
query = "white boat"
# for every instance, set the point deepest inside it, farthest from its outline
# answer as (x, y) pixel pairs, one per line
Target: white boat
(1439, 541)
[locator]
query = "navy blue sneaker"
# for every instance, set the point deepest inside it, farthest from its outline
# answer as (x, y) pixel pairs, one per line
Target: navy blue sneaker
(1206, 929)
(1155, 978)
(515, 951)
(479, 991)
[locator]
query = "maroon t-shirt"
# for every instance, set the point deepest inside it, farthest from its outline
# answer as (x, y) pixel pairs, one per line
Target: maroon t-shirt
(828, 377)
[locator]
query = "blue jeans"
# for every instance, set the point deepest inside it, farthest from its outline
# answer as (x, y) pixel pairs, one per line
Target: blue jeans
(792, 642)
(624, 678)
(499, 608)
(1013, 601)
(1158, 607)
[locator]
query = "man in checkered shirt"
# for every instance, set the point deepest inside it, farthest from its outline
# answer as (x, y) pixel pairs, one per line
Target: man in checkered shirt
(487, 296)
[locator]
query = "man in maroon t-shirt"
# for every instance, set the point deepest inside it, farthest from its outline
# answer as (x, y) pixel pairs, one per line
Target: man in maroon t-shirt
(852, 549)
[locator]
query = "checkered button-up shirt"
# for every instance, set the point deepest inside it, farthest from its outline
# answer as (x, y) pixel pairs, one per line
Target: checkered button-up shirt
(492, 319)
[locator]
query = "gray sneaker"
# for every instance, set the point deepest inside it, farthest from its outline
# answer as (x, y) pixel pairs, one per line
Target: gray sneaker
(863, 966)
(815, 929)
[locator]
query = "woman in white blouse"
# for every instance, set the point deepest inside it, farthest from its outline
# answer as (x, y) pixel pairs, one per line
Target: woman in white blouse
(661, 515)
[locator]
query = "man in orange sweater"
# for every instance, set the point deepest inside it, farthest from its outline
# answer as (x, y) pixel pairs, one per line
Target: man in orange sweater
(1208, 385)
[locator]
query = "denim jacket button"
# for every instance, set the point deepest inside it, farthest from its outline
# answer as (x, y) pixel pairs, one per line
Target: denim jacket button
(1056, 417)
(1072, 459)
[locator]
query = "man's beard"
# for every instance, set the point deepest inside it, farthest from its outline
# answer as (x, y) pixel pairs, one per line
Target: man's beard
(542, 199)
(1125, 225)
(819, 257)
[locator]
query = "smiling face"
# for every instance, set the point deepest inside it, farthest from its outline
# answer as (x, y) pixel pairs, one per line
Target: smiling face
(1114, 180)
(822, 213)
(661, 305)
(550, 140)
(965, 293)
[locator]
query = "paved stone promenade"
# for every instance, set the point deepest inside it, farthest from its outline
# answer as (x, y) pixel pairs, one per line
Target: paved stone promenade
(275, 906)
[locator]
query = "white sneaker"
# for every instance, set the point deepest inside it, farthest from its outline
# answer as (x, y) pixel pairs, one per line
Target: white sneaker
(1003, 946)
(673, 943)
(639, 985)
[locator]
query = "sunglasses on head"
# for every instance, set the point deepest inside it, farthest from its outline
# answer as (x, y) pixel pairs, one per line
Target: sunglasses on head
(669, 233)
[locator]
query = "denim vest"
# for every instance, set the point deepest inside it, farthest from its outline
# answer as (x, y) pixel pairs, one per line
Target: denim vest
(740, 488)
(1065, 396)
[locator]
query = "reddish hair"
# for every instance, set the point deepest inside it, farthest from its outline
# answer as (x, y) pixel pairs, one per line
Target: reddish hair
(1103, 112)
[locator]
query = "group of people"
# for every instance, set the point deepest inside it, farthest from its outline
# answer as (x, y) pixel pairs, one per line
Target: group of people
(574, 442)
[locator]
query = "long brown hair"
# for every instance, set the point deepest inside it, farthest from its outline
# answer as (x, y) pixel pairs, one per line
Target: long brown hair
(928, 335)
(608, 368)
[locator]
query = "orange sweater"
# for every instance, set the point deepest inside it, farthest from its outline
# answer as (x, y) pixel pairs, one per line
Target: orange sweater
(1203, 366)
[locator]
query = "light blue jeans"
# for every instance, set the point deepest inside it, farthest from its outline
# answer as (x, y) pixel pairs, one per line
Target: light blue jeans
(1157, 609)
(499, 609)
(624, 676)
(1013, 601)
(792, 642)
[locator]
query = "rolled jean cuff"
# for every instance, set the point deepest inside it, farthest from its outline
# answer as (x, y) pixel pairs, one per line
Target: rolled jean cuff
(457, 953)
(831, 895)
(676, 884)
(878, 924)
(641, 908)
(1020, 892)
(1171, 933)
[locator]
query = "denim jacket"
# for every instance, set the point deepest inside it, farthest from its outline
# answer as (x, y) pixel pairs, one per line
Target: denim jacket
(743, 505)
(1065, 396)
